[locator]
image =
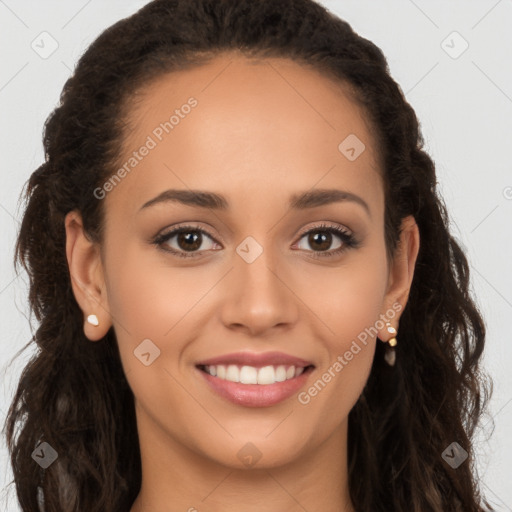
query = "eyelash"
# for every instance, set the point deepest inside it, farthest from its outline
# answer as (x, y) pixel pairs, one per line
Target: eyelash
(348, 240)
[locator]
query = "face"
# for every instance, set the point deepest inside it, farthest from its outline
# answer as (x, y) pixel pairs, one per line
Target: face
(271, 173)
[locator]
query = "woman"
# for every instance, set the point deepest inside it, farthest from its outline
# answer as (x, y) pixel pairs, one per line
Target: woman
(248, 293)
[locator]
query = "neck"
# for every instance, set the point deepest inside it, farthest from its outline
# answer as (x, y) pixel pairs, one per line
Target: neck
(175, 478)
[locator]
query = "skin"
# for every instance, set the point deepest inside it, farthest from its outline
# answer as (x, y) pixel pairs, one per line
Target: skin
(261, 131)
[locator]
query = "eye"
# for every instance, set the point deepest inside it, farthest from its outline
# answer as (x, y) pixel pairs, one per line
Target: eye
(184, 241)
(320, 239)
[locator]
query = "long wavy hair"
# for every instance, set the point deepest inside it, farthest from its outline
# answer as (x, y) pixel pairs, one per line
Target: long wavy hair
(73, 394)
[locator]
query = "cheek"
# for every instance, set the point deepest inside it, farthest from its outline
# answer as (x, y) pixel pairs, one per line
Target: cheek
(147, 299)
(154, 302)
(346, 299)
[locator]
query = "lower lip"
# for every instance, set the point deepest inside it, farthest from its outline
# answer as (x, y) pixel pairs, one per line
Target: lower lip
(256, 395)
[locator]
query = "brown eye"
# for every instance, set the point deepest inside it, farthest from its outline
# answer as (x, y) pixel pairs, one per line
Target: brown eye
(320, 240)
(185, 241)
(327, 241)
(189, 241)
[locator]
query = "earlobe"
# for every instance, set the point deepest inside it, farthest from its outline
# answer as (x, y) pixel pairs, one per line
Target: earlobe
(402, 267)
(87, 282)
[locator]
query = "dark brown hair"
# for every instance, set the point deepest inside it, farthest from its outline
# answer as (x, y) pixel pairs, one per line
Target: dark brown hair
(73, 393)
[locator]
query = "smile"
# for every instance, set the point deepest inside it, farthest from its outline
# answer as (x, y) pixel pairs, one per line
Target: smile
(251, 386)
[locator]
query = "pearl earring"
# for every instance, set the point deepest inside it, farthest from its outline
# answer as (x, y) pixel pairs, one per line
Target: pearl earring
(93, 320)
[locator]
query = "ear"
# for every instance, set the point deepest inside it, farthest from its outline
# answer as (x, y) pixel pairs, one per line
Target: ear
(86, 271)
(401, 270)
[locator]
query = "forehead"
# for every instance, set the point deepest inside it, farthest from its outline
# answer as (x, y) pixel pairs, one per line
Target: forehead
(270, 123)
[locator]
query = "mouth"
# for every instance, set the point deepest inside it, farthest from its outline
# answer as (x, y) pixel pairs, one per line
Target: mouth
(252, 386)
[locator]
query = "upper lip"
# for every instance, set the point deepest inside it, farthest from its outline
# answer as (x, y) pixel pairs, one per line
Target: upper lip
(256, 359)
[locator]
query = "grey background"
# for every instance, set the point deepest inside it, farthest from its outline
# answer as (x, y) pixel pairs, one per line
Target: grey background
(464, 105)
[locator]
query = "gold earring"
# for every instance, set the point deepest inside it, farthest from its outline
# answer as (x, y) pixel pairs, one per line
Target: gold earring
(390, 355)
(93, 320)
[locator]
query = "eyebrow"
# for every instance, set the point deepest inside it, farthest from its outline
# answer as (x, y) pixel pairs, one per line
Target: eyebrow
(211, 200)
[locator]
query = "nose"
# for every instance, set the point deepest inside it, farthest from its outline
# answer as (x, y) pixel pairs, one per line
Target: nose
(259, 297)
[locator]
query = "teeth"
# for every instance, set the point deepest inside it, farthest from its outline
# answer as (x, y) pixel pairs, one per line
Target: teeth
(251, 375)
(221, 371)
(280, 374)
(248, 375)
(233, 373)
(266, 375)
